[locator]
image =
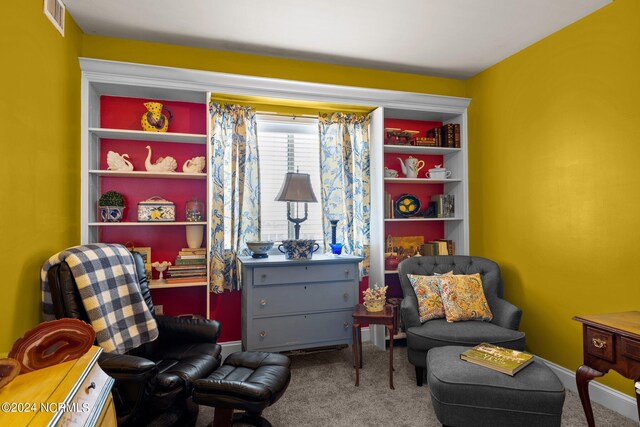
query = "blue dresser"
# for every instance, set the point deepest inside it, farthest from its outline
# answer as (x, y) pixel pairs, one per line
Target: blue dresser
(297, 304)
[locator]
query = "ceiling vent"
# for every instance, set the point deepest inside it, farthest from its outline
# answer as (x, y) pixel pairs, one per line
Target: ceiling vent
(54, 9)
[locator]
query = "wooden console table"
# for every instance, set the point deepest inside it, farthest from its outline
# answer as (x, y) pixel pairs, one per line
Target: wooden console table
(383, 317)
(610, 341)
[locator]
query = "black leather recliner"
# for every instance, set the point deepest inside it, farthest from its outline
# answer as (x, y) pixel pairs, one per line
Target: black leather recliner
(157, 376)
(421, 337)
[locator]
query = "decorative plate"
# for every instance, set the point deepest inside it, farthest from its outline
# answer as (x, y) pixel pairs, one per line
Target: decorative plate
(407, 205)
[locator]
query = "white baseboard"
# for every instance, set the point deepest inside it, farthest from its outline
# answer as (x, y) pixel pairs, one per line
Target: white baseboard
(605, 396)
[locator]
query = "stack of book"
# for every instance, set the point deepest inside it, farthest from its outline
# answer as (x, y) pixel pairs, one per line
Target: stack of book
(438, 247)
(445, 205)
(445, 136)
(497, 358)
(190, 266)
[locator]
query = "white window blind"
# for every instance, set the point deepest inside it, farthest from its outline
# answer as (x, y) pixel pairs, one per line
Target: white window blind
(288, 144)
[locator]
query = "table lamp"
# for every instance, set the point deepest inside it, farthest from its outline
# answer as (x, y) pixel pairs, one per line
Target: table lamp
(296, 188)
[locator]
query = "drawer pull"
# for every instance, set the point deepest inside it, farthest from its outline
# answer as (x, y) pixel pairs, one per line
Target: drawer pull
(90, 386)
(263, 277)
(263, 302)
(345, 296)
(598, 343)
(346, 272)
(345, 325)
(263, 334)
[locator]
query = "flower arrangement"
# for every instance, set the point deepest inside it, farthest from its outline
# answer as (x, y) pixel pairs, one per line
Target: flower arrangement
(375, 297)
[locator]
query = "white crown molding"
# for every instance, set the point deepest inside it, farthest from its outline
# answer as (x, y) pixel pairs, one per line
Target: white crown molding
(97, 70)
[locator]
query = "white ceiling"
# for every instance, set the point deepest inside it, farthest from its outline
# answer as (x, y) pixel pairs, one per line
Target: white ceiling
(449, 38)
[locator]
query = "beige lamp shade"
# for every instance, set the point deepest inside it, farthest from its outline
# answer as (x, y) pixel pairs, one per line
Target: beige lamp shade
(296, 188)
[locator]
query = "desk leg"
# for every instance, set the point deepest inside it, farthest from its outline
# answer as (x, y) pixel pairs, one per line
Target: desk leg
(390, 327)
(635, 381)
(584, 374)
(356, 352)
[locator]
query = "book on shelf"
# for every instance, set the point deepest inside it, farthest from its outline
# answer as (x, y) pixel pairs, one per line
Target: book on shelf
(192, 251)
(497, 358)
(170, 280)
(447, 136)
(389, 207)
(437, 247)
(200, 267)
(198, 256)
(190, 261)
(445, 205)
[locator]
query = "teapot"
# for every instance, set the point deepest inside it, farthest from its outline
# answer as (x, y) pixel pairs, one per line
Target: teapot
(153, 120)
(438, 173)
(411, 166)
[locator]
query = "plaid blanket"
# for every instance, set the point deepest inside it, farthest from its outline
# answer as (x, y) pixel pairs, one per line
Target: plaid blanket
(106, 279)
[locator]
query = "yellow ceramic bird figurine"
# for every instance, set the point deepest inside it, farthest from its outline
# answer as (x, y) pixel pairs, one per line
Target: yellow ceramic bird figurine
(153, 120)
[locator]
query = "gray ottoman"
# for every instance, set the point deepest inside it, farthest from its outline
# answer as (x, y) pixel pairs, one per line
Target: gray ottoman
(465, 394)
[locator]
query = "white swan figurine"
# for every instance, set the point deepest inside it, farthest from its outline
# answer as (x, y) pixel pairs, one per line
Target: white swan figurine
(118, 162)
(195, 165)
(163, 164)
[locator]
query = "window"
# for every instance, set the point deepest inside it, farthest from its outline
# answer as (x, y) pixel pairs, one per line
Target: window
(288, 144)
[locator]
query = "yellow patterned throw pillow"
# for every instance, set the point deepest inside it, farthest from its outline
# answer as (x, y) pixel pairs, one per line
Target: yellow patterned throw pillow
(428, 293)
(463, 298)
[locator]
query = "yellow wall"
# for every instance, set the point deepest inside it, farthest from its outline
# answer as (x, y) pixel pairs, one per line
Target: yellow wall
(554, 177)
(263, 66)
(40, 116)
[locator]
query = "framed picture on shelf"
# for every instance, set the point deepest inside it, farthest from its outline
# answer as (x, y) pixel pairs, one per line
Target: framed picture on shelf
(146, 257)
(406, 246)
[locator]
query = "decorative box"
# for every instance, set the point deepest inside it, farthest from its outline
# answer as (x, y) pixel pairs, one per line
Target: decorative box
(156, 209)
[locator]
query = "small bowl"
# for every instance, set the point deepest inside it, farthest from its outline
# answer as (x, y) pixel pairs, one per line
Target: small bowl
(260, 249)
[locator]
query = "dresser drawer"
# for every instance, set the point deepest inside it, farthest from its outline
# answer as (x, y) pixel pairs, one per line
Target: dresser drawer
(90, 398)
(318, 296)
(630, 348)
(303, 274)
(309, 330)
(600, 343)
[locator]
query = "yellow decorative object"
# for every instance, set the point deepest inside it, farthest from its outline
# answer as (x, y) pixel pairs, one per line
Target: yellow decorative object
(375, 298)
(153, 120)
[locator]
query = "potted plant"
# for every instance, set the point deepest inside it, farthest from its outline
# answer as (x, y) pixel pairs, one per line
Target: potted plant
(111, 206)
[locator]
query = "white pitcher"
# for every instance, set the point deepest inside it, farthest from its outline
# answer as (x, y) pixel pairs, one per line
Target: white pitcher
(411, 166)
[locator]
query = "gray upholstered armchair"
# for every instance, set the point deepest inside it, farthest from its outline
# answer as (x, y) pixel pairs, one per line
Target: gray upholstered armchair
(502, 330)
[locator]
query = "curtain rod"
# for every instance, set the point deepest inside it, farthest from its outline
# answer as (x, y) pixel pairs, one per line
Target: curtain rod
(271, 113)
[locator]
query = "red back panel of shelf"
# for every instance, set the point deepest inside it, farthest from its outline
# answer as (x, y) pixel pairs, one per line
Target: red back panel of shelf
(430, 230)
(165, 241)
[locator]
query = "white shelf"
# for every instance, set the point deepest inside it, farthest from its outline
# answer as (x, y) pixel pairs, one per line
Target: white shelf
(140, 135)
(142, 223)
(412, 149)
(161, 284)
(419, 181)
(145, 174)
(420, 219)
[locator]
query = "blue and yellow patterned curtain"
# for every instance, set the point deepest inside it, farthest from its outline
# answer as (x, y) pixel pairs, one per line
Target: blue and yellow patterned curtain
(235, 189)
(344, 174)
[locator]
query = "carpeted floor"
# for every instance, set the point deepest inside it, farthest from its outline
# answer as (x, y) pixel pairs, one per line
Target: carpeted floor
(322, 393)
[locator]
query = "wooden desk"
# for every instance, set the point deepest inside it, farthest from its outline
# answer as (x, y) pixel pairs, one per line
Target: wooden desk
(609, 341)
(382, 317)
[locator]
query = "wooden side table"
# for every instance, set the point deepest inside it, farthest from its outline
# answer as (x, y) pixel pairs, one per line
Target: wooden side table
(609, 341)
(382, 317)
